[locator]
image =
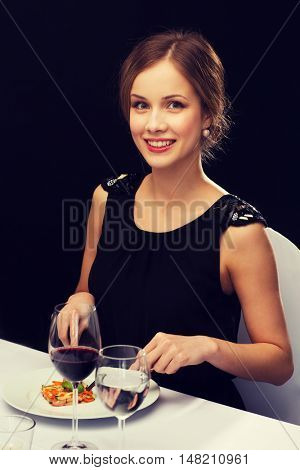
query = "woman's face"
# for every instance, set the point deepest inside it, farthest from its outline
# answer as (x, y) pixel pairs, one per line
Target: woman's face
(178, 118)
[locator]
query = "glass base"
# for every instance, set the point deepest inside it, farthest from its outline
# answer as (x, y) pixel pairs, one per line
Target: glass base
(80, 445)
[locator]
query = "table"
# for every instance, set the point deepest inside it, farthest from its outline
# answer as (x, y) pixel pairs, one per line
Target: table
(174, 421)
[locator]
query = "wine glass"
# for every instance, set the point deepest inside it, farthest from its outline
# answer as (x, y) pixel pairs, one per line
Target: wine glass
(122, 380)
(76, 359)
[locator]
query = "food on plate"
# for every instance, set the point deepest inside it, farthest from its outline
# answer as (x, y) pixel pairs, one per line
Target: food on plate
(61, 393)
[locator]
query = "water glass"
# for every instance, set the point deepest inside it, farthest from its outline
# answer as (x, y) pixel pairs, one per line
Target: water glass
(16, 432)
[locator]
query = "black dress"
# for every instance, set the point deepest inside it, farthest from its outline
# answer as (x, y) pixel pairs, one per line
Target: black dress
(145, 282)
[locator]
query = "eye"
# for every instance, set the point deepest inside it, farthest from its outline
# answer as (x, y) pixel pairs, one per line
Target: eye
(135, 104)
(178, 102)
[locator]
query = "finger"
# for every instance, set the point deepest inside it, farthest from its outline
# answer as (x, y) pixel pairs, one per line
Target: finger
(64, 327)
(113, 396)
(108, 398)
(163, 362)
(155, 354)
(135, 365)
(172, 368)
(83, 325)
(140, 362)
(74, 328)
(151, 345)
(133, 402)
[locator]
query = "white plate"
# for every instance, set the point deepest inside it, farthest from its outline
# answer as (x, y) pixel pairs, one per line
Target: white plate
(24, 393)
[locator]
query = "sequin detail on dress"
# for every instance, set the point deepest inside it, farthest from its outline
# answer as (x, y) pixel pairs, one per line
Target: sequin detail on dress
(125, 183)
(238, 212)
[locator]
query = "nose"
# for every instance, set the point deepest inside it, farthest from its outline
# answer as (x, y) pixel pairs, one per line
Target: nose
(155, 123)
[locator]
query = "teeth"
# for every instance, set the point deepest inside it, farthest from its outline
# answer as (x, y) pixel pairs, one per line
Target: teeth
(160, 143)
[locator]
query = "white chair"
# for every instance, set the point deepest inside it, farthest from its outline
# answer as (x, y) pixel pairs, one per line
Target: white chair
(284, 400)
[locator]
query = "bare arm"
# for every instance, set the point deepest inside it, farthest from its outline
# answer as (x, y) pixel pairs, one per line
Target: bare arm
(94, 229)
(82, 294)
(253, 272)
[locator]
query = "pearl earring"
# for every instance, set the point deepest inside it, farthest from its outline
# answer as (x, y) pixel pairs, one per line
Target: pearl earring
(205, 132)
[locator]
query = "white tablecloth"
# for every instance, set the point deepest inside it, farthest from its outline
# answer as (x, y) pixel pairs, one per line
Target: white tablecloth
(174, 421)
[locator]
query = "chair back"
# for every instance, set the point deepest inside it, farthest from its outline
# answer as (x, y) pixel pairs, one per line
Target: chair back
(279, 402)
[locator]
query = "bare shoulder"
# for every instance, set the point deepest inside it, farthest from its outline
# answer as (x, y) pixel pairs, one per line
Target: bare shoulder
(243, 236)
(99, 194)
(250, 241)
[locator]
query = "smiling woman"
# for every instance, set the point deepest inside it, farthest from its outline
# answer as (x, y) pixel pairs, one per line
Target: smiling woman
(177, 256)
(204, 82)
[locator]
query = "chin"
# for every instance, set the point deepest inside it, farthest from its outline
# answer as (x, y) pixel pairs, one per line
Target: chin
(159, 160)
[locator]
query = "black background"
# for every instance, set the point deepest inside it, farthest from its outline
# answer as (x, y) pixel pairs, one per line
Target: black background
(62, 130)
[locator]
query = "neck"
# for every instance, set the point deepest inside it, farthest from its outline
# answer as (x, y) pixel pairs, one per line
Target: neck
(178, 181)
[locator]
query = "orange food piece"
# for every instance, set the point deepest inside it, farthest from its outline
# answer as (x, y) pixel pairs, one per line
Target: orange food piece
(57, 396)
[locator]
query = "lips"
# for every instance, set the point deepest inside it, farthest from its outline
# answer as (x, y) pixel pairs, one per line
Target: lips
(161, 149)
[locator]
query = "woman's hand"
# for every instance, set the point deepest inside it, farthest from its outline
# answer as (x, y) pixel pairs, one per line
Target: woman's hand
(73, 319)
(167, 353)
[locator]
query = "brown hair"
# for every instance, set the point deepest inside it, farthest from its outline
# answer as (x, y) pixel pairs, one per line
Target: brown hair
(198, 62)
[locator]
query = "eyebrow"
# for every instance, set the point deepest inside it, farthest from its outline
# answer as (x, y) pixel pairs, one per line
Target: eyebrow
(164, 98)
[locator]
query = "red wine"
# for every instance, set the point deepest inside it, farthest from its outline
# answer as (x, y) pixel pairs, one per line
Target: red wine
(75, 363)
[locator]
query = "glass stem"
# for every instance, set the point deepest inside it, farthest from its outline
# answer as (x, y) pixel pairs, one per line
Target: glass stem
(75, 414)
(121, 423)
